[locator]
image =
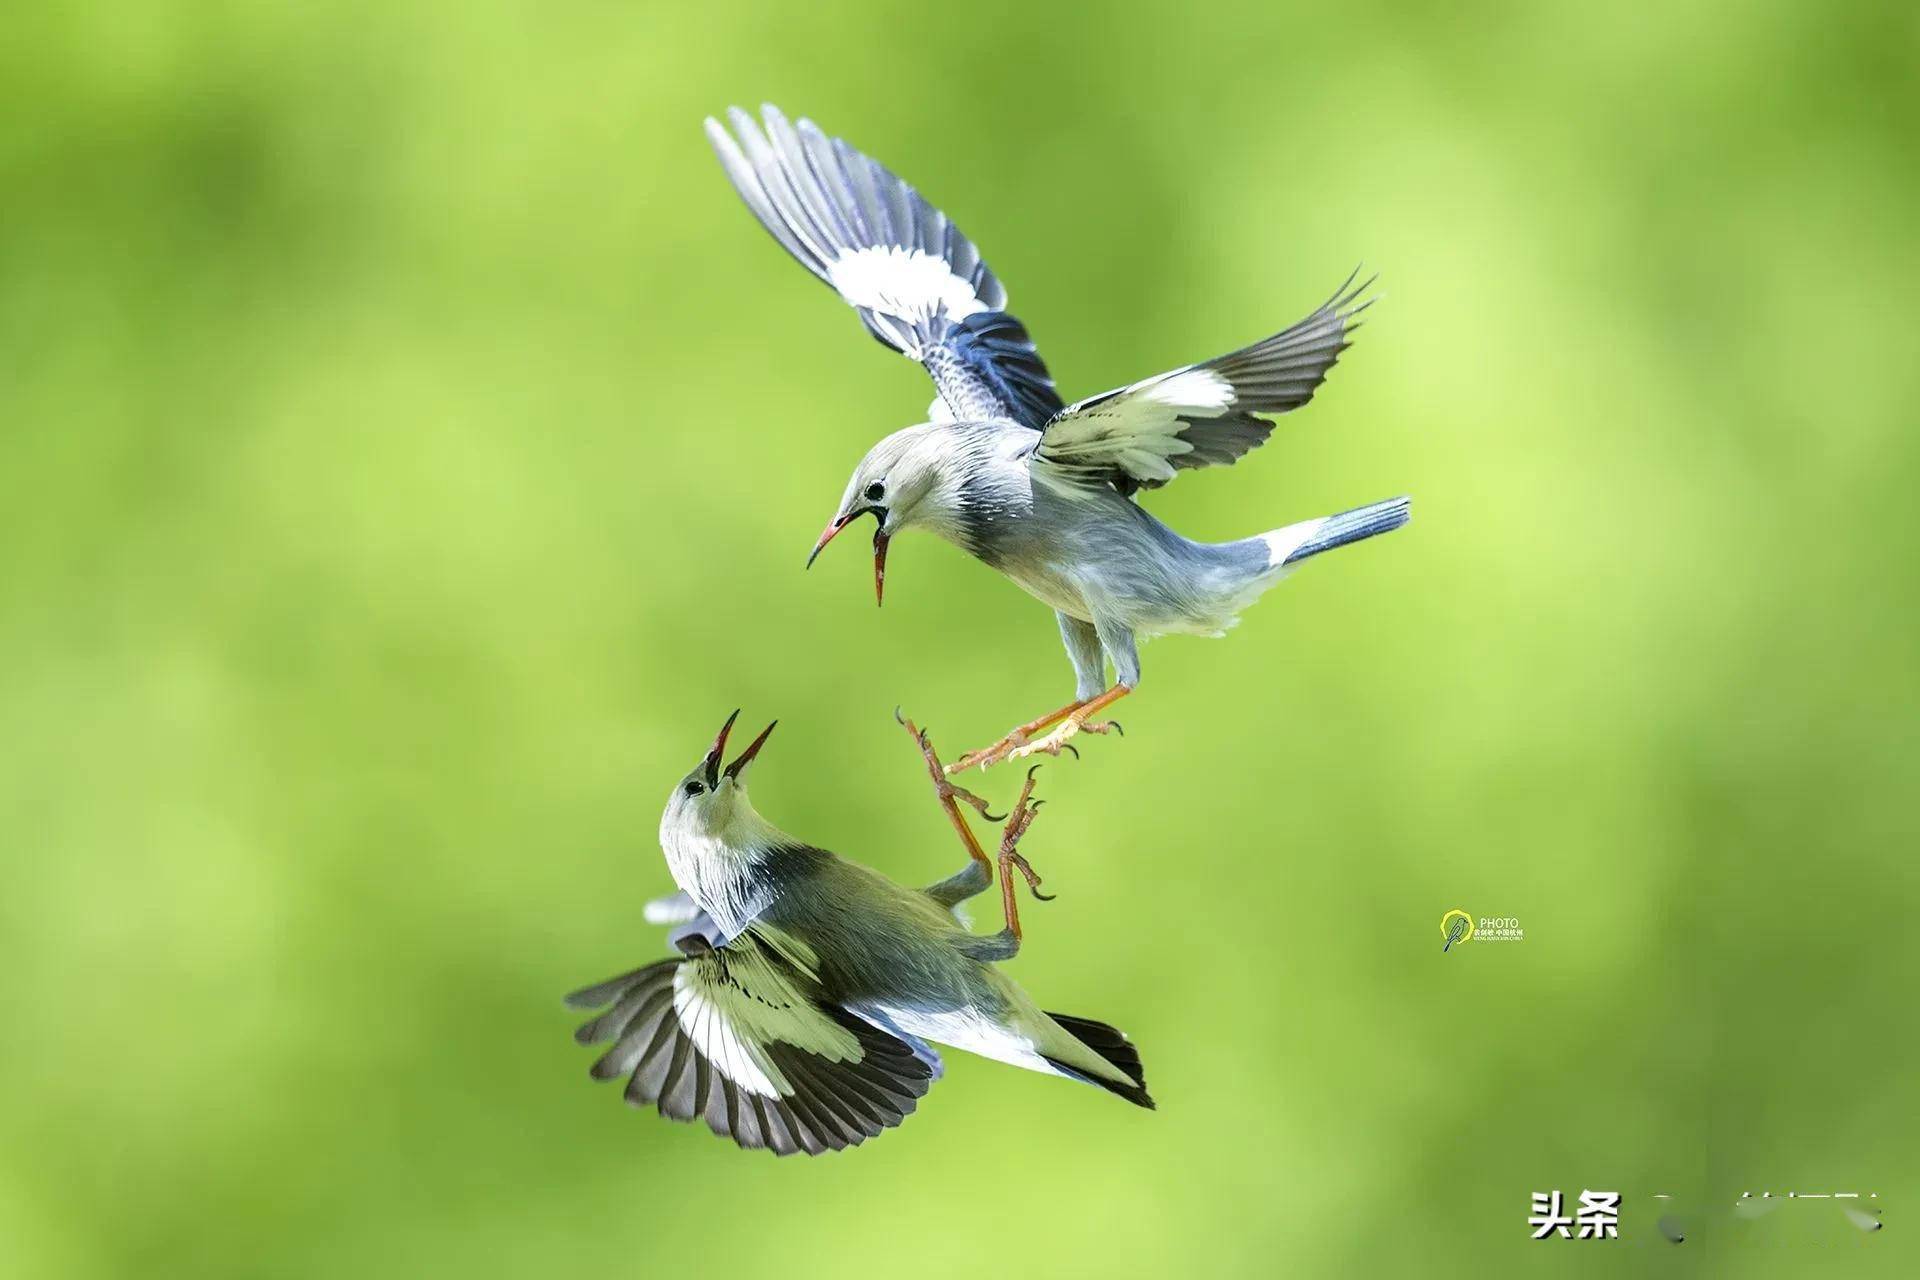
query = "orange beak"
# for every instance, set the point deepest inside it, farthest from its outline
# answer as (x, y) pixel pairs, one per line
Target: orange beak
(880, 541)
(833, 529)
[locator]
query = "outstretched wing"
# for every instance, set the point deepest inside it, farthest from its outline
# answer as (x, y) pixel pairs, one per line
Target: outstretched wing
(1202, 415)
(740, 1038)
(917, 282)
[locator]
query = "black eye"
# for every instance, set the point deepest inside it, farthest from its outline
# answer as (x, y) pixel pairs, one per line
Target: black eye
(876, 491)
(694, 788)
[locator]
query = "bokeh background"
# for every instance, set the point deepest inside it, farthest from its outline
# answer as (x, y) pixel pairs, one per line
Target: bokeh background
(408, 448)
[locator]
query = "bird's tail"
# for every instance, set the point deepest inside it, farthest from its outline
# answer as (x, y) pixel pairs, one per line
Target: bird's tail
(1109, 1045)
(1289, 546)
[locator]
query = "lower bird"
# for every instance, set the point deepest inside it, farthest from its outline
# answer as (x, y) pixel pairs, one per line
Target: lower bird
(1043, 491)
(811, 990)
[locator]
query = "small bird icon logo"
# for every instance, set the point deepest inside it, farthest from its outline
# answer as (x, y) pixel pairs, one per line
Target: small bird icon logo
(1455, 926)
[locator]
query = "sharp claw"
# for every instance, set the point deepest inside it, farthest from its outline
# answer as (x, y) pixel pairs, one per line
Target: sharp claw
(1118, 727)
(992, 817)
(1043, 897)
(1031, 772)
(1070, 747)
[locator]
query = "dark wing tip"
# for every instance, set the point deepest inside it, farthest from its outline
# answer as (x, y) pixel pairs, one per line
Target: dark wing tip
(828, 1105)
(1344, 300)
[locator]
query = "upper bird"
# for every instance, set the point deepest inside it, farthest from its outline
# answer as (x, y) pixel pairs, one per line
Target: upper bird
(800, 1014)
(1040, 490)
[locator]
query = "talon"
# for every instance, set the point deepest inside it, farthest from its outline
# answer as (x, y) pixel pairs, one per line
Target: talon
(1117, 727)
(896, 714)
(979, 806)
(1033, 771)
(1070, 747)
(1066, 721)
(1032, 877)
(947, 791)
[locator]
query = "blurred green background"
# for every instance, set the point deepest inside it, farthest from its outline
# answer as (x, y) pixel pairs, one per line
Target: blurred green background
(408, 448)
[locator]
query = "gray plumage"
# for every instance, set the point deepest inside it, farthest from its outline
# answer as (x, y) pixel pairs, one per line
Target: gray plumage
(1350, 527)
(851, 222)
(804, 1013)
(1042, 491)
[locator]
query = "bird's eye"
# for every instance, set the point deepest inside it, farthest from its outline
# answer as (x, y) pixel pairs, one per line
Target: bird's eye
(876, 491)
(694, 788)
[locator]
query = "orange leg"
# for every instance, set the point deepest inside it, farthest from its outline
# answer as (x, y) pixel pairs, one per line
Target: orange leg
(951, 797)
(1015, 738)
(1074, 718)
(1011, 859)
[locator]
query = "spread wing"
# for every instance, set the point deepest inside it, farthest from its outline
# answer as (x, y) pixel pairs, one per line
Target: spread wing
(917, 282)
(1203, 415)
(740, 1037)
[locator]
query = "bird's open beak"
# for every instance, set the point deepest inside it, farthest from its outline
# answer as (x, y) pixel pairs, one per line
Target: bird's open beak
(833, 528)
(753, 749)
(712, 763)
(880, 541)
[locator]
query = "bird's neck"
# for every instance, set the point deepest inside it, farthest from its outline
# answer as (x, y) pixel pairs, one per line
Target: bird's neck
(721, 866)
(974, 484)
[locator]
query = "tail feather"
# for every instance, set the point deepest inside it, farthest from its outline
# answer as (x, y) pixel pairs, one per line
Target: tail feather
(1113, 1046)
(1297, 542)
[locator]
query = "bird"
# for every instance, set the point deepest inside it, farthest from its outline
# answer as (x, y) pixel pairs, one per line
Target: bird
(803, 1008)
(1043, 491)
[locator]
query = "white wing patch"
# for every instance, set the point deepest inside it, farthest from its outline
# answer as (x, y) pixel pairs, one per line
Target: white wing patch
(1136, 431)
(1196, 391)
(733, 1004)
(1208, 414)
(906, 283)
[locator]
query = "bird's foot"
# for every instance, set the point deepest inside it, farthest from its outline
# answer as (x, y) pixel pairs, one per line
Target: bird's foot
(947, 791)
(949, 795)
(1056, 742)
(1032, 877)
(1079, 720)
(1011, 859)
(1074, 718)
(1015, 739)
(988, 756)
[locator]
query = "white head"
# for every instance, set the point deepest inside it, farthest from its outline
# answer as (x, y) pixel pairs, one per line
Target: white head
(710, 804)
(908, 480)
(713, 839)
